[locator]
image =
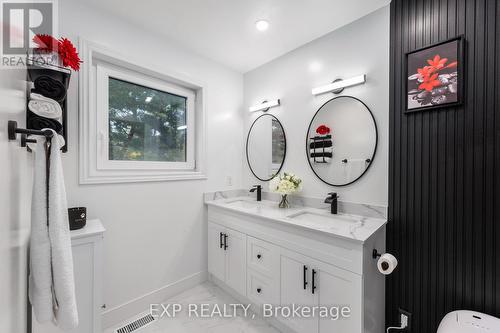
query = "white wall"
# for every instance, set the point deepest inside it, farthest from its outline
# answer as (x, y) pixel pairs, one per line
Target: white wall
(360, 47)
(156, 232)
(15, 199)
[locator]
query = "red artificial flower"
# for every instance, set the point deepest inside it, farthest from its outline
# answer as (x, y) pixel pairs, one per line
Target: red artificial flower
(68, 55)
(437, 62)
(430, 82)
(46, 43)
(323, 129)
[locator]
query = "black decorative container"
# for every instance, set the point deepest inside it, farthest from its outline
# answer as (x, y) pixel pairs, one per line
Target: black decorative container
(77, 217)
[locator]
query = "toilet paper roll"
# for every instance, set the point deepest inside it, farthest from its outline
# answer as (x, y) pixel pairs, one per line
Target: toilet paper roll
(387, 263)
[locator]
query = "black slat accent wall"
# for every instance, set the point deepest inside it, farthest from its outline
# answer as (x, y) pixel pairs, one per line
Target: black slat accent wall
(444, 182)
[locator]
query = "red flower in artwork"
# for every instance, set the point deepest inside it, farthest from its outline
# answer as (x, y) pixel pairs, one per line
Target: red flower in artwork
(323, 129)
(425, 71)
(429, 74)
(452, 64)
(67, 53)
(437, 62)
(430, 82)
(46, 43)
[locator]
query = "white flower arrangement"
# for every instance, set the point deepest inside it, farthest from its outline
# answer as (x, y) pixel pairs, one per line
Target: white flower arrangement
(285, 184)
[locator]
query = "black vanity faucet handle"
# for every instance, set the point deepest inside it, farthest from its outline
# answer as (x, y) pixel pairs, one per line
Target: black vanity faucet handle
(220, 240)
(259, 256)
(225, 242)
(313, 286)
(304, 270)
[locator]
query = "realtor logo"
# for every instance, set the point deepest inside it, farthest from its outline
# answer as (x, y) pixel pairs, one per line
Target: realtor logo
(22, 21)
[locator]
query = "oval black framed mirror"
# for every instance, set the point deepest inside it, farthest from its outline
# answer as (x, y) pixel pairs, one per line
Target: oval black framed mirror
(266, 147)
(341, 141)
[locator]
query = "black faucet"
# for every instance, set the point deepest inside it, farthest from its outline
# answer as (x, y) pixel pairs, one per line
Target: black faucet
(259, 191)
(332, 200)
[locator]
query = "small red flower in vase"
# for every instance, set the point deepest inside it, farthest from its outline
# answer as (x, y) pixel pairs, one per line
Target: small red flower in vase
(63, 47)
(323, 130)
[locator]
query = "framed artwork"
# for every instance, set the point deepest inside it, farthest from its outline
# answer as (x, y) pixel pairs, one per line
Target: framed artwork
(434, 76)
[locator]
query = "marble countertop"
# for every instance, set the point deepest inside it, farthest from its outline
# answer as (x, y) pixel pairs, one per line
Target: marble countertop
(349, 226)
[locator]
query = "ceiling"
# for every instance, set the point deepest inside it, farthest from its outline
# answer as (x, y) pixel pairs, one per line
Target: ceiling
(224, 30)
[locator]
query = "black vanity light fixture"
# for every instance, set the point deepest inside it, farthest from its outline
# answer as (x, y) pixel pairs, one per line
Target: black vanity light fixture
(265, 105)
(338, 85)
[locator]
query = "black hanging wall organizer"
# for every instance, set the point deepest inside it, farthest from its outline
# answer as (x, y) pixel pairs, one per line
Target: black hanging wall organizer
(321, 148)
(52, 82)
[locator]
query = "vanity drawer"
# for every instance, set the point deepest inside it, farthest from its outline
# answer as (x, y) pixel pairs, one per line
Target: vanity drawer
(262, 289)
(263, 257)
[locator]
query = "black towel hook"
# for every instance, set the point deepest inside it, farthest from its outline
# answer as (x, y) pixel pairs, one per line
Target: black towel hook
(13, 130)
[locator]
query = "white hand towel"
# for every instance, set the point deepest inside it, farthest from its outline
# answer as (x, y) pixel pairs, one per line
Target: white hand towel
(45, 107)
(40, 279)
(32, 145)
(66, 314)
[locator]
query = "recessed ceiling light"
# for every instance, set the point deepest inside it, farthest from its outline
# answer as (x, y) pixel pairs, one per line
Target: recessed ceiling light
(262, 25)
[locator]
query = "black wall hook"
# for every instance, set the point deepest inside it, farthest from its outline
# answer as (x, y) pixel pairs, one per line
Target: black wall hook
(13, 130)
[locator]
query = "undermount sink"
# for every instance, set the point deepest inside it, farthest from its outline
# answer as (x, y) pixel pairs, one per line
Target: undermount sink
(316, 218)
(240, 203)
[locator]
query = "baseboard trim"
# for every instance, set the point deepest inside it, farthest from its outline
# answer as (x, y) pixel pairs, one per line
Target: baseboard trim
(120, 313)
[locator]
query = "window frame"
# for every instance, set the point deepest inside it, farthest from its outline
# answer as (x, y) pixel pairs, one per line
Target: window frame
(104, 72)
(89, 138)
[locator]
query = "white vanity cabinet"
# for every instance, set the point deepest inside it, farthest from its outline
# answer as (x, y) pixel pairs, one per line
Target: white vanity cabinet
(86, 244)
(306, 281)
(288, 263)
(227, 250)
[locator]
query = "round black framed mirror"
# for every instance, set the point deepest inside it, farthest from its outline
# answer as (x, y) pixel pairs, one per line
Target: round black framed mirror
(341, 141)
(266, 147)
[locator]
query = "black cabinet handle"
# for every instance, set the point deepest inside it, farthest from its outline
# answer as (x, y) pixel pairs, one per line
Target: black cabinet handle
(259, 290)
(225, 242)
(259, 256)
(304, 271)
(313, 286)
(220, 240)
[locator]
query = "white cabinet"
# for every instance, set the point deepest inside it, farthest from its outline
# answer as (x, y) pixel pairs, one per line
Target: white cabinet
(340, 288)
(287, 266)
(309, 282)
(227, 250)
(296, 288)
(86, 245)
(216, 251)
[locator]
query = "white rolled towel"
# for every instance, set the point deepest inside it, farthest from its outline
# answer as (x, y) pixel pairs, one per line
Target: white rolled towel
(45, 107)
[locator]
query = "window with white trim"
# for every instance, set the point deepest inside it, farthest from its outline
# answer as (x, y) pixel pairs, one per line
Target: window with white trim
(145, 123)
(138, 122)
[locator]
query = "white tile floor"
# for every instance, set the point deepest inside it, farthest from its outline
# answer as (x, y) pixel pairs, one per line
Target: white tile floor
(206, 293)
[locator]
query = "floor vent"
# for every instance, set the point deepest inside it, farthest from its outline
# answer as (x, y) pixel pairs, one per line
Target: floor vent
(136, 324)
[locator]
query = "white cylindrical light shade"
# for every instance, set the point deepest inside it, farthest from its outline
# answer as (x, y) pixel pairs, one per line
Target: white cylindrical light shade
(265, 105)
(360, 79)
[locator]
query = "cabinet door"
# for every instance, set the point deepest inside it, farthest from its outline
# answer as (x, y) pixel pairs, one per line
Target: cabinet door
(87, 276)
(339, 288)
(236, 261)
(293, 280)
(216, 253)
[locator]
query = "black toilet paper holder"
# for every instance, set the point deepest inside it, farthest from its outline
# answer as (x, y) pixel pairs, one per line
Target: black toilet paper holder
(375, 254)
